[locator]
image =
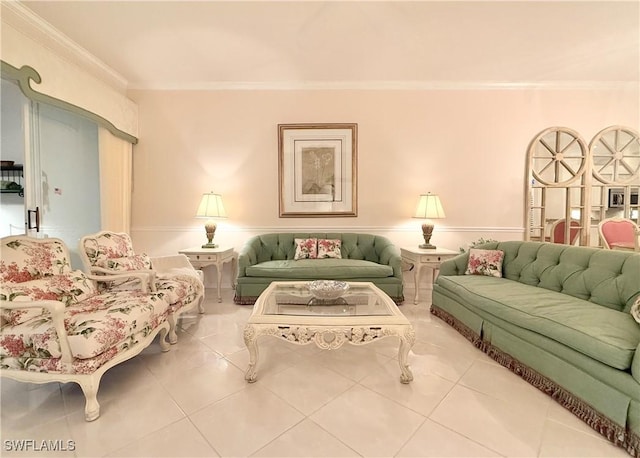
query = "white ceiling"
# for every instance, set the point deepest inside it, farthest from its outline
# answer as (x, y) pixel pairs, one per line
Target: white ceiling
(182, 44)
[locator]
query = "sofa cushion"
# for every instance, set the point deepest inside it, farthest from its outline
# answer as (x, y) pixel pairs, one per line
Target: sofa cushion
(179, 288)
(319, 269)
(70, 289)
(93, 326)
(604, 334)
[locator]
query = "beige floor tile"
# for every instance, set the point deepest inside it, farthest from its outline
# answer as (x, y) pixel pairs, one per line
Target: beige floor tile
(225, 342)
(434, 440)
(246, 421)
(306, 386)
(188, 353)
(354, 362)
(181, 438)
(272, 358)
(27, 404)
(367, 422)
(491, 422)
(450, 363)
(210, 324)
(196, 388)
(422, 395)
(562, 441)
(306, 439)
(499, 382)
(40, 439)
(125, 380)
(123, 420)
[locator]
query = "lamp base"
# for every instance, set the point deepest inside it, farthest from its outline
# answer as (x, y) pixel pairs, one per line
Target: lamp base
(209, 245)
(427, 230)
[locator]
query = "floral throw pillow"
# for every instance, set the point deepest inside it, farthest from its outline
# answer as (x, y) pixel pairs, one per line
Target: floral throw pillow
(306, 249)
(329, 248)
(485, 262)
(635, 310)
(135, 262)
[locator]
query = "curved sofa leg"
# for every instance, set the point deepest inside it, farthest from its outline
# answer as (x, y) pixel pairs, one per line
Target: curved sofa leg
(173, 337)
(90, 390)
(201, 304)
(164, 345)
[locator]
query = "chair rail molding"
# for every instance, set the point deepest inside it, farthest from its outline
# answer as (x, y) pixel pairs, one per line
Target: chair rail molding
(357, 229)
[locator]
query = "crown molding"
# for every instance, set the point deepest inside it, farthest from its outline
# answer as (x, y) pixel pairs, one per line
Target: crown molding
(383, 85)
(21, 18)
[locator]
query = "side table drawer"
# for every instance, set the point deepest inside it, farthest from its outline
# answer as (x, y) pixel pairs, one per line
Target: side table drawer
(202, 257)
(433, 258)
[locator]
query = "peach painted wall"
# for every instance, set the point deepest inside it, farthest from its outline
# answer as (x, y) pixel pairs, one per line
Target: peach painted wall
(468, 146)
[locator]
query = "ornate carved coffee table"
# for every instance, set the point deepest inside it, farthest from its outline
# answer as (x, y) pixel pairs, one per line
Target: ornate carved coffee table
(364, 314)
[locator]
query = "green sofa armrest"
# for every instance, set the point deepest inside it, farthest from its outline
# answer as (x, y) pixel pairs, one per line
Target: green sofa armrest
(390, 256)
(455, 266)
(635, 365)
(248, 256)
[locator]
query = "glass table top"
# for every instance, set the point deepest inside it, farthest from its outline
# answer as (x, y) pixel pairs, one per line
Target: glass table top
(296, 299)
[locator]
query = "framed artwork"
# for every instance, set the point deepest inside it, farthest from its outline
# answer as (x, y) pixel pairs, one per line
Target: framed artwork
(318, 169)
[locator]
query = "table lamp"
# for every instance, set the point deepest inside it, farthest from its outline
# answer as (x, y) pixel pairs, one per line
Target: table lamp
(210, 207)
(429, 207)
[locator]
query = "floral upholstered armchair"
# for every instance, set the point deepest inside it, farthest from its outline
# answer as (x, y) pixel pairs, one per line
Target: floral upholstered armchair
(108, 253)
(57, 325)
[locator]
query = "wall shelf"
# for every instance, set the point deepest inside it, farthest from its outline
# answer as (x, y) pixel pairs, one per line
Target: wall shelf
(11, 179)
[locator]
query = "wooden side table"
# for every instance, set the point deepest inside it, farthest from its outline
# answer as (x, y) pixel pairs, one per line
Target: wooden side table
(430, 259)
(205, 257)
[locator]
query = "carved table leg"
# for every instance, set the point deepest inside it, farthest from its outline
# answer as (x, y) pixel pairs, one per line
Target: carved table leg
(406, 342)
(250, 340)
(219, 272)
(416, 279)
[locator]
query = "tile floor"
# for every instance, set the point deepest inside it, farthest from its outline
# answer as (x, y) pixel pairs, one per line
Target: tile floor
(194, 402)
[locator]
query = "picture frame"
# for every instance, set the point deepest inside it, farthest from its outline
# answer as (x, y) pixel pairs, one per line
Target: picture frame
(617, 197)
(317, 170)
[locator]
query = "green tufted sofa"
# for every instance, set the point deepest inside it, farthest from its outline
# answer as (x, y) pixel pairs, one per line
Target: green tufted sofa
(270, 257)
(559, 317)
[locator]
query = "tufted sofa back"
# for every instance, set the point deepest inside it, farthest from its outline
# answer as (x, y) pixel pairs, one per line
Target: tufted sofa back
(281, 246)
(607, 277)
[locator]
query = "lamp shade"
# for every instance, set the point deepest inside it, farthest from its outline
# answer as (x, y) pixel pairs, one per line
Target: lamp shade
(211, 206)
(429, 207)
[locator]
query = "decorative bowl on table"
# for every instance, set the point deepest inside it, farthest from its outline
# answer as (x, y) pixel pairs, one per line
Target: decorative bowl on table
(328, 289)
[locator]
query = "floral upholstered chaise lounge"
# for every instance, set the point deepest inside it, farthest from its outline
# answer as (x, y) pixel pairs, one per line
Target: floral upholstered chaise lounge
(108, 253)
(59, 325)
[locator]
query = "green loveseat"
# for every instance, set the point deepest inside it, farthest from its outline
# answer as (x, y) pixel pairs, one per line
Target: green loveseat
(270, 257)
(559, 317)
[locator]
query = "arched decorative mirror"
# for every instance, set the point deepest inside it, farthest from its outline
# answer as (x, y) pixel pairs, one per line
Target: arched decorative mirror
(615, 152)
(571, 188)
(616, 156)
(557, 170)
